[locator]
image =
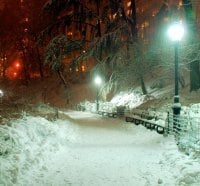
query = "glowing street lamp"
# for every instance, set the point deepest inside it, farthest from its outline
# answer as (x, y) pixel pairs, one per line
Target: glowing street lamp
(98, 82)
(176, 33)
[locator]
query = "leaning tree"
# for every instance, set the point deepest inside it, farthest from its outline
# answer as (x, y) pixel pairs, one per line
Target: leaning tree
(192, 38)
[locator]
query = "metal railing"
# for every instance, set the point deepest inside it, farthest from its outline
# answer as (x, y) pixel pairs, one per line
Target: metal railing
(185, 128)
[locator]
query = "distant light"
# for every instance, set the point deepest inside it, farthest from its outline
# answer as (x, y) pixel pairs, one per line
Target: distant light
(69, 33)
(97, 80)
(1, 93)
(176, 32)
(4, 59)
(128, 4)
(14, 74)
(83, 68)
(17, 65)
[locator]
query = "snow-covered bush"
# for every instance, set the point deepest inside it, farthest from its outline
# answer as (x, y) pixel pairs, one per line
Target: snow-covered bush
(130, 99)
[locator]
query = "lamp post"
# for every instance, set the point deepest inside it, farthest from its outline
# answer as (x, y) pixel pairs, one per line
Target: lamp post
(98, 82)
(175, 33)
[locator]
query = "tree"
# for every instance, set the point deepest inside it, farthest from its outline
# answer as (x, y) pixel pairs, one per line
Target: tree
(8, 19)
(67, 18)
(192, 27)
(56, 49)
(116, 37)
(21, 23)
(32, 23)
(121, 33)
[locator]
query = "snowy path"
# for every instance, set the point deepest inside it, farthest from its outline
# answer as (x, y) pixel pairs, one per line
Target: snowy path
(90, 150)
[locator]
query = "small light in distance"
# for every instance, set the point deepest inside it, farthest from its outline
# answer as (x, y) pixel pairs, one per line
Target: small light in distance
(15, 74)
(83, 68)
(97, 80)
(1, 93)
(17, 65)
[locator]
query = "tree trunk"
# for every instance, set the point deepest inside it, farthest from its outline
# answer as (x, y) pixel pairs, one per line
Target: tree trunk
(144, 90)
(40, 63)
(25, 69)
(194, 66)
(134, 20)
(194, 76)
(4, 67)
(99, 27)
(98, 21)
(135, 40)
(62, 78)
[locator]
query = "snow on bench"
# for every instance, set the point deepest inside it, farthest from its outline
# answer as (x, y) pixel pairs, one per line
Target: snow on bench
(107, 109)
(150, 119)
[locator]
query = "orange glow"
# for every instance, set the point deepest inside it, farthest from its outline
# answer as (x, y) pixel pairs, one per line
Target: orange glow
(14, 70)
(83, 68)
(17, 65)
(69, 33)
(4, 59)
(128, 4)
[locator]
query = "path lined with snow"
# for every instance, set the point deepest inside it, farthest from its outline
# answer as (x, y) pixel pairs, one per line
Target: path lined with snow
(86, 149)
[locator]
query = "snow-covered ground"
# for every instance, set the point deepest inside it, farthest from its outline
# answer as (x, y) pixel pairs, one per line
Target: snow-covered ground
(86, 149)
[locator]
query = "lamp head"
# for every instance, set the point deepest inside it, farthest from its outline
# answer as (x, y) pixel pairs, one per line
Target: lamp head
(97, 80)
(176, 31)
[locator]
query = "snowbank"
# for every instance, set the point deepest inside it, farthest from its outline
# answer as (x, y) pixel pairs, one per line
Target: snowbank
(22, 144)
(130, 98)
(86, 149)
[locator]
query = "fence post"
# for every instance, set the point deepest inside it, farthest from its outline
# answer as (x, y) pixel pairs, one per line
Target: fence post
(167, 125)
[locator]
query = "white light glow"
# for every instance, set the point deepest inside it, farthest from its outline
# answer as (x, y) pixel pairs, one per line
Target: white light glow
(176, 32)
(98, 80)
(1, 93)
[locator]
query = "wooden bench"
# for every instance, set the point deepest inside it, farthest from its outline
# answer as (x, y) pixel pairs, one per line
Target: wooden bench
(107, 109)
(108, 113)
